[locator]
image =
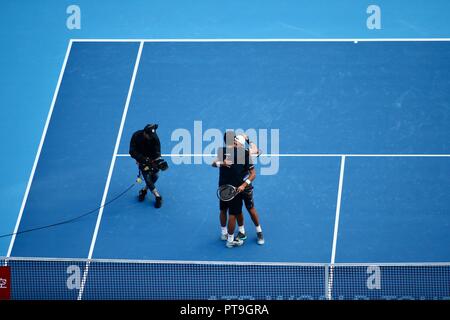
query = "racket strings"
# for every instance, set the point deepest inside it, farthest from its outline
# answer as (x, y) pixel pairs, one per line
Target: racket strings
(226, 193)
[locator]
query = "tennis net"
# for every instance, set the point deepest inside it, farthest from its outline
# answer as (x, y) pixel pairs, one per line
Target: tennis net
(58, 279)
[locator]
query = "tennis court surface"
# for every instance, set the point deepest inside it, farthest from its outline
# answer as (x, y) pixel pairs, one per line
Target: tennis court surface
(354, 202)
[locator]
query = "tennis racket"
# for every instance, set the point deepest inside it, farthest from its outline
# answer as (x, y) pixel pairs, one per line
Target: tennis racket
(226, 192)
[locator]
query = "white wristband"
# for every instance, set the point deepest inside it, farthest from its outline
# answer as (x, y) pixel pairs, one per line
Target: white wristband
(218, 163)
(248, 181)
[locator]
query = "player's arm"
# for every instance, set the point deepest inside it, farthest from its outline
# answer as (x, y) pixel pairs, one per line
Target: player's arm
(251, 170)
(248, 181)
(251, 177)
(253, 148)
(218, 162)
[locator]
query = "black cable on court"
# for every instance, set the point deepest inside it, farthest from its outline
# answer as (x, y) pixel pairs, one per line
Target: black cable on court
(73, 219)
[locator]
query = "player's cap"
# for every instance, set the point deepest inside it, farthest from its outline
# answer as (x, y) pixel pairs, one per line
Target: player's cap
(239, 138)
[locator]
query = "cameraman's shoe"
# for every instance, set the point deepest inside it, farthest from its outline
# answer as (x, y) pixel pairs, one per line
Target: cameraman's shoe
(158, 202)
(142, 194)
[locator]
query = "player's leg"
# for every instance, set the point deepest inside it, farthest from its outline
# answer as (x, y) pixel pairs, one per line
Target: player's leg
(255, 219)
(253, 215)
(235, 212)
(231, 226)
(223, 220)
(250, 206)
(241, 233)
(232, 241)
(247, 197)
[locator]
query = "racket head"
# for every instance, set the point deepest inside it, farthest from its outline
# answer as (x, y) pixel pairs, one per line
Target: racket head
(226, 192)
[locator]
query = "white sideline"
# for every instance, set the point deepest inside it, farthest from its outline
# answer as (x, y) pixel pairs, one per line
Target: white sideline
(271, 40)
(38, 154)
(336, 228)
(111, 169)
(307, 155)
(338, 210)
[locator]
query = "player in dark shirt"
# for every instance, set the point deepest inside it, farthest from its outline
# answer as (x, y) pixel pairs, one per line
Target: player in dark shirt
(145, 148)
(235, 164)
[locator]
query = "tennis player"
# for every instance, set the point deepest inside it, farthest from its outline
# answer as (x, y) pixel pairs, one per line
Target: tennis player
(145, 148)
(234, 164)
(247, 194)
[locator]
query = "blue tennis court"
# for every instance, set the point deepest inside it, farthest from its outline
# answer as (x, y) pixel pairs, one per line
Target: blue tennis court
(356, 164)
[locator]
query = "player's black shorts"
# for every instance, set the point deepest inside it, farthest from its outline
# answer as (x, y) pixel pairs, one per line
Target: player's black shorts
(247, 196)
(233, 206)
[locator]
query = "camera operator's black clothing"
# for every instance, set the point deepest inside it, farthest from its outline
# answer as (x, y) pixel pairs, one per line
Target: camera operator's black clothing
(150, 177)
(141, 148)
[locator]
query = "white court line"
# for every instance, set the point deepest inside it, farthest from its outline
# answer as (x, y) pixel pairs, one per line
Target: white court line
(305, 155)
(336, 228)
(38, 154)
(219, 262)
(111, 169)
(338, 209)
(270, 40)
